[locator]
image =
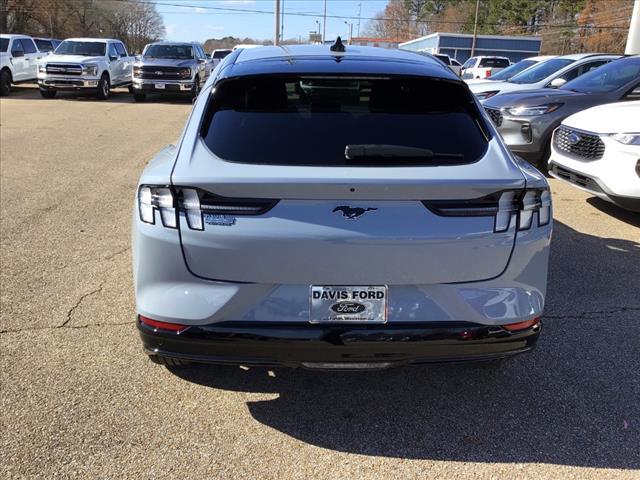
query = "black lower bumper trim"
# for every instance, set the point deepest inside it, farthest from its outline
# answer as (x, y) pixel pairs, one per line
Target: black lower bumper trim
(295, 345)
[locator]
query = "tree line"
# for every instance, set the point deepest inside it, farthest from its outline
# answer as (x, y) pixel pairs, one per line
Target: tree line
(133, 22)
(566, 26)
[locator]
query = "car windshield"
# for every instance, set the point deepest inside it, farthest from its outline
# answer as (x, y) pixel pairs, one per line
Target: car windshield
(513, 70)
(311, 120)
(607, 78)
(86, 49)
(4, 44)
(179, 52)
(541, 71)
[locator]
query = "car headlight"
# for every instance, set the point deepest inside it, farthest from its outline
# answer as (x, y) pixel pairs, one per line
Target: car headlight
(42, 68)
(627, 138)
(533, 111)
(90, 69)
(488, 94)
(185, 72)
(137, 72)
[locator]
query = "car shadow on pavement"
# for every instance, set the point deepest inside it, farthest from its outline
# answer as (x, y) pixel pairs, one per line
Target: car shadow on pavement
(632, 218)
(573, 401)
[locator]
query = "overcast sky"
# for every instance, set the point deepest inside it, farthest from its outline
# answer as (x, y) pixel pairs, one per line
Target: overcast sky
(196, 20)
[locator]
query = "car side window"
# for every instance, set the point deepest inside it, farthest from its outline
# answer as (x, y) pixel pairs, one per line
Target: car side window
(469, 63)
(121, 50)
(16, 47)
(587, 67)
(28, 45)
(112, 51)
(201, 54)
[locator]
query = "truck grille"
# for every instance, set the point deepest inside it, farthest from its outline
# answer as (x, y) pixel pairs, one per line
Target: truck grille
(578, 144)
(159, 73)
(495, 114)
(578, 179)
(64, 69)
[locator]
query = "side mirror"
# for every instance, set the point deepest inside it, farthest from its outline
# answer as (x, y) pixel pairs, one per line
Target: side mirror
(18, 53)
(112, 57)
(557, 82)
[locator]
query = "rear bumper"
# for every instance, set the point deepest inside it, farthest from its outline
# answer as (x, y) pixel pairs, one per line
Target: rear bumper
(347, 346)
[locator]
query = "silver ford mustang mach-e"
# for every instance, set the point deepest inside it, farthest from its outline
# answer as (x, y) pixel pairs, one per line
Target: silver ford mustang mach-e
(342, 207)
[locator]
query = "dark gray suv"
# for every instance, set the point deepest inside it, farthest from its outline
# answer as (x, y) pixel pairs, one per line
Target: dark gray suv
(526, 119)
(170, 67)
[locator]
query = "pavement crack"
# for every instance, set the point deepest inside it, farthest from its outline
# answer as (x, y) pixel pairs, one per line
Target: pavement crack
(58, 327)
(590, 314)
(77, 304)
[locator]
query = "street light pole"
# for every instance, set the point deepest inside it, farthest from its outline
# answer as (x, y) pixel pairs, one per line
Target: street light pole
(475, 29)
(324, 22)
(276, 36)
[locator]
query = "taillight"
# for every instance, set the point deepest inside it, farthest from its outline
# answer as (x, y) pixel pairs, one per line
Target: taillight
(156, 324)
(195, 204)
(487, 73)
(502, 206)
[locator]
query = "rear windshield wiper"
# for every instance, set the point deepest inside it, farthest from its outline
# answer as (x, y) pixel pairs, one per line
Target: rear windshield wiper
(381, 151)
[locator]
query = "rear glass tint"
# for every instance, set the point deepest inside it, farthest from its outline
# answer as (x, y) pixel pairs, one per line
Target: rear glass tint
(494, 62)
(310, 120)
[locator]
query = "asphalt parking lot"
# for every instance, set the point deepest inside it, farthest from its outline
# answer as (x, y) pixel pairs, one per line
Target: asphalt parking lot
(80, 400)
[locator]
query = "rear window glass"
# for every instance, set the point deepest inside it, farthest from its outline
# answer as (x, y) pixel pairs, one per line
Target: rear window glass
(44, 45)
(4, 44)
(310, 120)
(494, 62)
(221, 53)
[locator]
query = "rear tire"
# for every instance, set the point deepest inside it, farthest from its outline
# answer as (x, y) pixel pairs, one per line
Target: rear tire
(5, 83)
(195, 90)
(139, 97)
(167, 362)
(47, 93)
(104, 89)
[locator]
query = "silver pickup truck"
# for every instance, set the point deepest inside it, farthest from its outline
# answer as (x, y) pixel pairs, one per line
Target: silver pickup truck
(85, 64)
(170, 67)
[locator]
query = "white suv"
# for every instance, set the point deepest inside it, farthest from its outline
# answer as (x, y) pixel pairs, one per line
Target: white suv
(483, 67)
(598, 150)
(86, 64)
(18, 61)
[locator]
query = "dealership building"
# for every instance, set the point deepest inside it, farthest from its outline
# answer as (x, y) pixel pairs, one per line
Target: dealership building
(458, 45)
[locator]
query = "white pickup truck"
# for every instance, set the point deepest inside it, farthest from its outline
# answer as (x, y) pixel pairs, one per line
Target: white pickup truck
(86, 64)
(19, 57)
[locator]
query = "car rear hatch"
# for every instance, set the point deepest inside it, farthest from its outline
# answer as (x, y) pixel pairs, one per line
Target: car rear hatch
(309, 181)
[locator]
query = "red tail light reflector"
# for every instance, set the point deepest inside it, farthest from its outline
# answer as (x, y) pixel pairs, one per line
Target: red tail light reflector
(171, 327)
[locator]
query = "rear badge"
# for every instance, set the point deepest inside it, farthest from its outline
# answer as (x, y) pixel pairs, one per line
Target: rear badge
(352, 213)
(220, 220)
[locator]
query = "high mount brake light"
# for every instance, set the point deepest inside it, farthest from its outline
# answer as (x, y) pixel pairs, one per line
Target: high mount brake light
(194, 203)
(502, 206)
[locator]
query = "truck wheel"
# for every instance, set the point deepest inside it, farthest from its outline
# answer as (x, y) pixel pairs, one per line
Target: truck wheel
(47, 93)
(139, 97)
(104, 89)
(5, 83)
(195, 90)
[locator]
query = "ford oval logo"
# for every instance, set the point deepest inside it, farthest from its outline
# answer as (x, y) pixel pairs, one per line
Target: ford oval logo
(573, 139)
(348, 307)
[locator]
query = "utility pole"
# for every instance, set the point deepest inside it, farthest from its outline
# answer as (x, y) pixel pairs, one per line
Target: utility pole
(633, 40)
(282, 24)
(475, 29)
(359, 16)
(276, 37)
(324, 22)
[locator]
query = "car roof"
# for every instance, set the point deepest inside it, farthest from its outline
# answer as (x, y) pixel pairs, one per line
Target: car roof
(13, 35)
(89, 39)
(580, 56)
(541, 58)
(317, 59)
(174, 43)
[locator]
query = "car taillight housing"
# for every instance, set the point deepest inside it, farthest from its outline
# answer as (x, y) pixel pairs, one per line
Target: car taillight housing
(524, 205)
(169, 202)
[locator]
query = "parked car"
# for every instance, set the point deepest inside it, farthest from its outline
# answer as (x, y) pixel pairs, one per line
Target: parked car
(452, 63)
(86, 65)
(18, 61)
(549, 74)
(47, 45)
(483, 67)
(527, 119)
(382, 241)
(170, 67)
(218, 55)
(510, 71)
(598, 150)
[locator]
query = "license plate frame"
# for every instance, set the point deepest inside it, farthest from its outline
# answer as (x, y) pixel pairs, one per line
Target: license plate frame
(339, 304)
(160, 86)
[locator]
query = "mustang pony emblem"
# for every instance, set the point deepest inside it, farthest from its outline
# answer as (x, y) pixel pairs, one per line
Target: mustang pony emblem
(351, 213)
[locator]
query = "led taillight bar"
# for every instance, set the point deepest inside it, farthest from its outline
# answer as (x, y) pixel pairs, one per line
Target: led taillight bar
(169, 327)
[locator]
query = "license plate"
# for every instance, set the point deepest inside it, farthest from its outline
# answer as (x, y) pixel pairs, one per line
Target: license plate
(348, 304)
(160, 86)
